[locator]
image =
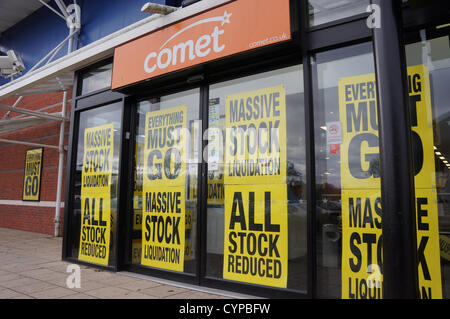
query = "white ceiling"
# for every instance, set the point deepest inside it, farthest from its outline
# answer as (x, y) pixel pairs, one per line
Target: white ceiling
(12, 11)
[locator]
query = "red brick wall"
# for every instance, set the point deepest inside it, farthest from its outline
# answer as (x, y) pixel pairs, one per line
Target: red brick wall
(19, 215)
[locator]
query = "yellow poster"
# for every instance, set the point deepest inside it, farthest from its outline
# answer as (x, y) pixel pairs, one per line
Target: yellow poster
(136, 247)
(360, 182)
(216, 188)
(32, 175)
(360, 148)
(427, 223)
(256, 234)
(362, 244)
(255, 143)
(96, 194)
(164, 199)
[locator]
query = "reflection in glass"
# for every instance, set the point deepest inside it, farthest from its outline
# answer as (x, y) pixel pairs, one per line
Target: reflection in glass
(328, 69)
(96, 79)
(432, 49)
(323, 11)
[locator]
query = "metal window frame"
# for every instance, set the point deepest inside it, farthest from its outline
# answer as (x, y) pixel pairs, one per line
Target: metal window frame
(82, 103)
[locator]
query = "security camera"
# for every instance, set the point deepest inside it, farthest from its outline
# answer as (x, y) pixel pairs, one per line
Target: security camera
(11, 64)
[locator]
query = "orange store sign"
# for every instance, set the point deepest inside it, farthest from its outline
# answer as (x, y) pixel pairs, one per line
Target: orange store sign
(235, 27)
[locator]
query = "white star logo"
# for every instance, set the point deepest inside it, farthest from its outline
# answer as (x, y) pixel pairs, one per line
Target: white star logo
(226, 18)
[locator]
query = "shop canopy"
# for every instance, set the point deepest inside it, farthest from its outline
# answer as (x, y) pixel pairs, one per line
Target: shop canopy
(58, 75)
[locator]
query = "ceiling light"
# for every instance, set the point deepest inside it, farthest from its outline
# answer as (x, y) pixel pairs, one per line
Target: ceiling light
(438, 153)
(442, 157)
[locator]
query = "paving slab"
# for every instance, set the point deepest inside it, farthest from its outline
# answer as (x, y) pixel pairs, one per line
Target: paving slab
(31, 268)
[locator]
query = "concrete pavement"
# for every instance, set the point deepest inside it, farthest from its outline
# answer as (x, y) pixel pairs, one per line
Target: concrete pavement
(31, 267)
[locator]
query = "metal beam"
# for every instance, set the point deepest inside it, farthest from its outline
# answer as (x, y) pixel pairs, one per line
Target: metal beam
(55, 11)
(400, 278)
(62, 7)
(34, 113)
(60, 167)
(14, 106)
(2, 140)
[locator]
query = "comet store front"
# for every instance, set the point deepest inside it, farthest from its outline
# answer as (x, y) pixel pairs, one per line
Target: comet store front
(251, 163)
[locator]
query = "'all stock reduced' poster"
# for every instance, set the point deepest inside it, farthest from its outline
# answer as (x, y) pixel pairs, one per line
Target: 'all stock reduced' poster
(362, 241)
(96, 194)
(255, 246)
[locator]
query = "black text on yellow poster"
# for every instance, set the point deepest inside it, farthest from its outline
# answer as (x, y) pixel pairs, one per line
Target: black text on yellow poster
(362, 244)
(428, 256)
(163, 229)
(256, 137)
(216, 189)
(360, 182)
(32, 175)
(360, 189)
(163, 218)
(96, 194)
(427, 223)
(360, 148)
(256, 234)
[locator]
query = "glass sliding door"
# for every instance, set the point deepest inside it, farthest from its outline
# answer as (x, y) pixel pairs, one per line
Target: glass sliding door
(428, 67)
(93, 218)
(348, 198)
(256, 186)
(165, 177)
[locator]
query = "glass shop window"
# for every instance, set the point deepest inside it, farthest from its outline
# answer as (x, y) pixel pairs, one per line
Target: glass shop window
(348, 200)
(95, 197)
(323, 11)
(96, 79)
(428, 68)
(165, 182)
(256, 204)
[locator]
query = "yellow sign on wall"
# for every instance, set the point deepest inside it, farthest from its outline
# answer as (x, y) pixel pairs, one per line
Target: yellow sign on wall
(163, 218)
(32, 175)
(96, 194)
(256, 233)
(360, 181)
